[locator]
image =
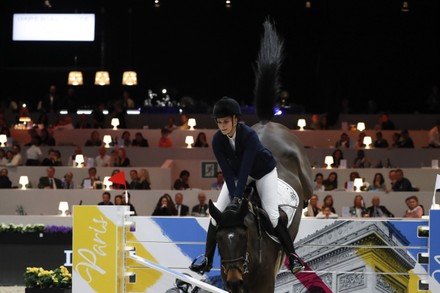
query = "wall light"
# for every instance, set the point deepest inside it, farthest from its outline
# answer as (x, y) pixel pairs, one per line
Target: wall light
(301, 124)
(102, 78)
(129, 78)
(63, 207)
(3, 140)
(79, 160)
(75, 78)
(23, 181)
(358, 183)
(328, 161)
(107, 140)
(191, 123)
(360, 126)
(367, 141)
(189, 140)
(115, 123)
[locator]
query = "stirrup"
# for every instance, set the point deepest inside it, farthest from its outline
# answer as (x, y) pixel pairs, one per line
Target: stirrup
(295, 263)
(202, 267)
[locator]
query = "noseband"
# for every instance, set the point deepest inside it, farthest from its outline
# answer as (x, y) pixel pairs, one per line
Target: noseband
(242, 264)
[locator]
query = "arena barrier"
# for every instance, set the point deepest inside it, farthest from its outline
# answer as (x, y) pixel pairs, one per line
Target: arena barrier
(113, 252)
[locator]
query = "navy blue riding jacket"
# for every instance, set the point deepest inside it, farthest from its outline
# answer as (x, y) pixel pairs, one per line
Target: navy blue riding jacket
(250, 158)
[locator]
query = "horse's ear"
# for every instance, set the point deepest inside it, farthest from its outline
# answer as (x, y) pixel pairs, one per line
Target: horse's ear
(244, 207)
(215, 212)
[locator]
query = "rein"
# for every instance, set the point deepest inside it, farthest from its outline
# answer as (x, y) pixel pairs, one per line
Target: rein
(244, 259)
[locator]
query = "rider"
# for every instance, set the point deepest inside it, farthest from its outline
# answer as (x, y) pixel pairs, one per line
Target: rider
(241, 155)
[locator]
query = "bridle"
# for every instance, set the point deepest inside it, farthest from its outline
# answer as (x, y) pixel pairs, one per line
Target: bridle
(242, 262)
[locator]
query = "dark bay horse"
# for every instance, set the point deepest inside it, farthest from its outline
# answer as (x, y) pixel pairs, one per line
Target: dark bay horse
(251, 259)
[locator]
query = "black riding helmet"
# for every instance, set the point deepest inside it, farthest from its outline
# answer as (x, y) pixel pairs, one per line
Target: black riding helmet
(226, 107)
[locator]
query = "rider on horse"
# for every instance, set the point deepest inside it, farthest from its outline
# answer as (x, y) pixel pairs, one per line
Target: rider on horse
(241, 155)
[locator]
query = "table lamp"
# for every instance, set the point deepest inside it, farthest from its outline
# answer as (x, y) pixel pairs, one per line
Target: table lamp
(115, 123)
(107, 182)
(367, 141)
(107, 140)
(79, 160)
(3, 140)
(189, 140)
(360, 126)
(301, 124)
(23, 181)
(358, 183)
(63, 207)
(328, 161)
(191, 123)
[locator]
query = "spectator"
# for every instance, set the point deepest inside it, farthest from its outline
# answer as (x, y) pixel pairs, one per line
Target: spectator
(125, 139)
(117, 185)
(316, 122)
(106, 196)
(5, 182)
(331, 183)
(47, 139)
(312, 208)
(343, 142)
(201, 141)
(98, 116)
(3, 159)
(360, 141)
(51, 102)
(34, 153)
(385, 122)
(181, 209)
(181, 183)
(94, 140)
(415, 210)
(144, 179)
(402, 183)
(68, 181)
(165, 139)
(118, 200)
(326, 213)
(434, 136)
(126, 200)
(378, 211)
(184, 120)
(380, 142)
(319, 179)
(200, 209)
(337, 157)
(405, 140)
(358, 209)
(135, 181)
(35, 137)
(328, 202)
(89, 181)
(49, 181)
(77, 151)
(164, 206)
(218, 184)
(378, 184)
(395, 140)
(51, 159)
(139, 140)
(103, 159)
(361, 161)
(121, 159)
(16, 159)
(392, 178)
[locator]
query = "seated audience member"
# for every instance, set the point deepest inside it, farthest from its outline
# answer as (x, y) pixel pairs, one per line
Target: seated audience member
(5, 182)
(16, 159)
(94, 140)
(402, 183)
(126, 200)
(220, 180)
(395, 140)
(117, 185)
(361, 161)
(200, 209)
(201, 141)
(434, 136)
(181, 208)
(139, 140)
(106, 196)
(328, 202)
(144, 179)
(121, 160)
(78, 150)
(337, 155)
(181, 183)
(184, 120)
(33, 154)
(343, 142)
(90, 180)
(165, 139)
(380, 142)
(405, 140)
(135, 181)
(378, 183)
(318, 185)
(312, 208)
(326, 213)
(385, 122)
(414, 210)
(118, 200)
(68, 181)
(125, 139)
(47, 139)
(3, 159)
(376, 210)
(360, 141)
(103, 159)
(49, 181)
(358, 209)
(51, 159)
(164, 206)
(353, 175)
(331, 183)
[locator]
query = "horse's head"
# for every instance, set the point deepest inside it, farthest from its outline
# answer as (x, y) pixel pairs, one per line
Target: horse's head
(232, 242)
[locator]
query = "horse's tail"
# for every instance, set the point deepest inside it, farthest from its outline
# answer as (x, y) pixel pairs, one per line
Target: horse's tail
(267, 83)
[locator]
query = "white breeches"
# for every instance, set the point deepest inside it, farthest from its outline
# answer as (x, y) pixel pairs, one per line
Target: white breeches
(267, 187)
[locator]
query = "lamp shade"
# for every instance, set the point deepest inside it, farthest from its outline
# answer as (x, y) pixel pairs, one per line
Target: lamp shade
(115, 123)
(3, 140)
(63, 207)
(189, 140)
(192, 123)
(328, 161)
(102, 78)
(129, 78)
(75, 78)
(367, 141)
(107, 139)
(23, 181)
(358, 183)
(301, 123)
(360, 126)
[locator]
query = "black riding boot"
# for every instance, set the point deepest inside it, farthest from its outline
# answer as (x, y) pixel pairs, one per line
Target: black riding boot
(295, 263)
(206, 264)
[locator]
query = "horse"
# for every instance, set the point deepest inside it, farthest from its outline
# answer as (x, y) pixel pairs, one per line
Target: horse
(250, 257)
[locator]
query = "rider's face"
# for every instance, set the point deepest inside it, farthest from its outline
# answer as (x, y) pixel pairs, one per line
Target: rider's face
(227, 125)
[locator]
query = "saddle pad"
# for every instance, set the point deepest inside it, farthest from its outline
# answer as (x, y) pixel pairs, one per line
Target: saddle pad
(288, 200)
